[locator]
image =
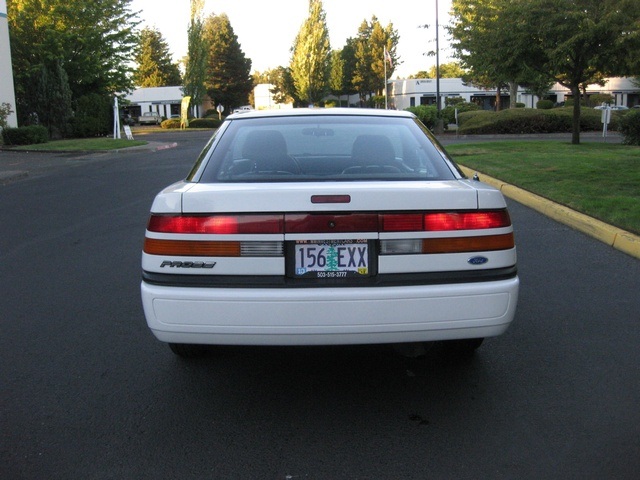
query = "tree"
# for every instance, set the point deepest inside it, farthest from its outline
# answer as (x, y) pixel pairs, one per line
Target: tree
(196, 64)
(536, 42)
(228, 74)
(369, 46)
(475, 30)
(448, 70)
(311, 56)
(92, 41)
(155, 68)
(577, 43)
(284, 89)
(53, 99)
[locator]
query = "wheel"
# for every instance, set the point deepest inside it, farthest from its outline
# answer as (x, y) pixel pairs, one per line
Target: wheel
(463, 348)
(187, 350)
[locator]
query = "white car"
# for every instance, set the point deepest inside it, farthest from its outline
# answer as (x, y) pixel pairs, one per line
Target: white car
(327, 226)
(149, 118)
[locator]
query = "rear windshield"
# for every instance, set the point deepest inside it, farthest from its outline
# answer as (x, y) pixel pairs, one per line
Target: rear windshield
(326, 148)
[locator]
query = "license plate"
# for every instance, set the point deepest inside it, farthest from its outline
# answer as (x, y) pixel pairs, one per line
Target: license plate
(332, 259)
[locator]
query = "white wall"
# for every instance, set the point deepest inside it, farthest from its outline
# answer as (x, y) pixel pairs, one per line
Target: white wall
(7, 92)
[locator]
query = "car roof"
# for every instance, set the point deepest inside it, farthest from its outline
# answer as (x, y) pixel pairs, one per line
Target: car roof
(295, 112)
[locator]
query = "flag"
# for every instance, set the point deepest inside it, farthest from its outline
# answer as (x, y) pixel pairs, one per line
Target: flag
(387, 57)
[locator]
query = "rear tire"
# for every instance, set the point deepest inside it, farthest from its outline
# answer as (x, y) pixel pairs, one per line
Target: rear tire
(187, 350)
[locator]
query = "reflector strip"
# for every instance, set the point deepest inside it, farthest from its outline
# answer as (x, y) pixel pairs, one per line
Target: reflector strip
(154, 246)
(468, 244)
(351, 222)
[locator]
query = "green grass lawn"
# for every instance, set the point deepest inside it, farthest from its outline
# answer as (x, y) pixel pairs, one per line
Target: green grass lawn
(599, 179)
(86, 144)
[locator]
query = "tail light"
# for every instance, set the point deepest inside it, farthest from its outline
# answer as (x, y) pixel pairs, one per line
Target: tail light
(269, 224)
(445, 221)
(216, 224)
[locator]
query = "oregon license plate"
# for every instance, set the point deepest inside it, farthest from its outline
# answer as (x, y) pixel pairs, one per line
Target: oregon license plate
(332, 259)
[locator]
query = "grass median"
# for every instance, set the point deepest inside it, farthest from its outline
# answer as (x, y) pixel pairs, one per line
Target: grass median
(83, 144)
(598, 179)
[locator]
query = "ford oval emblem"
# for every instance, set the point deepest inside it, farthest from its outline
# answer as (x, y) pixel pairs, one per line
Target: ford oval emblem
(478, 260)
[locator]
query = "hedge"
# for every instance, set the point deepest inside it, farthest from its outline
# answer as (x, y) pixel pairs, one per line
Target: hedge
(426, 114)
(529, 121)
(25, 135)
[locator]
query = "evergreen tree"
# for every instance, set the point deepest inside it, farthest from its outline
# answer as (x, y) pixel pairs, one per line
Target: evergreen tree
(53, 99)
(155, 68)
(311, 56)
(228, 78)
(196, 64)
(369, 45)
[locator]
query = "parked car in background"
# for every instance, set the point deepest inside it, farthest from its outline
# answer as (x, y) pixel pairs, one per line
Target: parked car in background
(243, 109)
(327, 226)
(611, 107)
(150, 118)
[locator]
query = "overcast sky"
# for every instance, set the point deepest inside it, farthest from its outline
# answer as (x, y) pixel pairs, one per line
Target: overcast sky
(266, 29)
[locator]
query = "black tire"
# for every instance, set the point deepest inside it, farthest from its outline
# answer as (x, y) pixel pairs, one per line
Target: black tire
(187, 350)
(463, 348)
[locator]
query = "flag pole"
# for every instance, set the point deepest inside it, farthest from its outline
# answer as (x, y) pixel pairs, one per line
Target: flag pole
(384, 60)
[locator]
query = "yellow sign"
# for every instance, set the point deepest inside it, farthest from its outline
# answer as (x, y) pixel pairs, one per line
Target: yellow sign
(184, 112)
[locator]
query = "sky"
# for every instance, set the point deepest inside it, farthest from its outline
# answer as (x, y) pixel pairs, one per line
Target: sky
(266, 29)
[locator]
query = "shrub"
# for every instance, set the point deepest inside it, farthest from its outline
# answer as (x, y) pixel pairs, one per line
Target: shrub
(544, 104)
(629, 126)
(25, 135)
(93, 116)
(448, 113)
(427, 114)
(600, 98)
(530, 121)
(204, 123)
(170, 123)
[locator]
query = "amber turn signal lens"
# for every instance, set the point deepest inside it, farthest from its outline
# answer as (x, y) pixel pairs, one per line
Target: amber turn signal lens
(468, 244)
(154, 246)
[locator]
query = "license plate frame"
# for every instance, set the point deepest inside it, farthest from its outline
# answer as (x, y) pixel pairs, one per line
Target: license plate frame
(347, 258)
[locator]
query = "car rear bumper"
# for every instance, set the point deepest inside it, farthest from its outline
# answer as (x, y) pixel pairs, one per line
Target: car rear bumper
(328, 316)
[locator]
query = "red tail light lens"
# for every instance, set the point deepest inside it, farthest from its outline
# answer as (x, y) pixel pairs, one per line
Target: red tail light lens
(466, 221)
(217, 224)
(445, 221)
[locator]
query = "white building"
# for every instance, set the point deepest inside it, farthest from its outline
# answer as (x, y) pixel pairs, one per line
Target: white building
(165, 101)
(405, 93)
(263, 98)
(7, 92)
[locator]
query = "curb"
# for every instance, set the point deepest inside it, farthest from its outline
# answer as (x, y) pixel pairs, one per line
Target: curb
(615, 237)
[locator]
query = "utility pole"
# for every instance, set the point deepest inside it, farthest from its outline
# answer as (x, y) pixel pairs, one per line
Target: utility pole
(439, 123)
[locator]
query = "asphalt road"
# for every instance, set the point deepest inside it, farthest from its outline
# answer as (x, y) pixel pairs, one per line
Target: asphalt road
(86, 392)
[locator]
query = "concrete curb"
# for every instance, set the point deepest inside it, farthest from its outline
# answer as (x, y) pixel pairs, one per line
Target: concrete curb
(615, 237)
